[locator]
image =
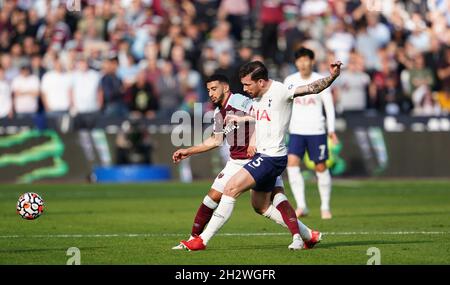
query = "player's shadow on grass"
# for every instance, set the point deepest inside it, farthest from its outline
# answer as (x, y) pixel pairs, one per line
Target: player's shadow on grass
(324, 245)
(46, 249)
(252, 247)
(396, 214)
(365, 242)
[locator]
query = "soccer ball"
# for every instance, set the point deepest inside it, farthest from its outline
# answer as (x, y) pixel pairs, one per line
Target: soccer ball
(30, 206)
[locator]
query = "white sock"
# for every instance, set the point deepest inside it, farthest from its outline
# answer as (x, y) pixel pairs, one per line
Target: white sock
(274, 214)
(210, 203)
(297, 185)
(219, 218)
(324, 184)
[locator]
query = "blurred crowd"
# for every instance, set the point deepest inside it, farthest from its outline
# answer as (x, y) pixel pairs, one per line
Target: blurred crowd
(148, 58)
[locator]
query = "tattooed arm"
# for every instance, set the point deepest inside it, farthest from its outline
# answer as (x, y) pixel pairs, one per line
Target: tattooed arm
(321, 84)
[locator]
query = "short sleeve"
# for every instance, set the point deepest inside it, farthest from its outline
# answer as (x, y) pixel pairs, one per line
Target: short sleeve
(289, 91)
(240, 102)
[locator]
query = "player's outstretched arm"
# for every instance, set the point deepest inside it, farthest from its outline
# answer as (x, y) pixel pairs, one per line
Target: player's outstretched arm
(321, 84)
(210, 143)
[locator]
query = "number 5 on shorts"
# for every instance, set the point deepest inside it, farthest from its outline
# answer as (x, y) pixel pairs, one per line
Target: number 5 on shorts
(257, 162)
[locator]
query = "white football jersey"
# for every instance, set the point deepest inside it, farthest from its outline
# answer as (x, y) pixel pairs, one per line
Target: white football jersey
(272, 112)
(307, 114)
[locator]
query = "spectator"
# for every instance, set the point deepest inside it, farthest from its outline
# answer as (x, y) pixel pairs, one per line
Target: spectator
(90, 21)
(226, 68)
(112, 89)
(377, 30)
(6, 110)
(340, 41)
(220, 40)
(443, 71)
(208, 62)
(11, 71)
(244, 55)
(420, 37)
(420, 75)
(236, 13)
(87, 99)
(144, 102)
(271, 16)
(390, 95)
(368, 47)
(55, 88)
(351, 87)
(191, 85)
(169, 89)
(152, 71)
(25, 88)
(424, 103)
(128, 71)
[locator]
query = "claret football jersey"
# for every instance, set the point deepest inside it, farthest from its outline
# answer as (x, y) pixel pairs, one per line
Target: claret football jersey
(237, 137)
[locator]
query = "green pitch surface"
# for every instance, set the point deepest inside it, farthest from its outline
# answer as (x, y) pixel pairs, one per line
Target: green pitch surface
(408, 221)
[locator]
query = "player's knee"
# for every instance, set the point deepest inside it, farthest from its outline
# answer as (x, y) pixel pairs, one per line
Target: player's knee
(277, 190)
(231, 190)
(215, 195)
(259, 210)
(321, 167)
(293, 160)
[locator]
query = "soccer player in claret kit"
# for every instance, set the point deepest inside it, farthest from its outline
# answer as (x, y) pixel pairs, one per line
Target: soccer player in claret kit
(238, 137)
(308, 133)
(271, 109)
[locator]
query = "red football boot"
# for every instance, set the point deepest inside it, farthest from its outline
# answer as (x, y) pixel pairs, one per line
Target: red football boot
(194, 244)
(316, 237)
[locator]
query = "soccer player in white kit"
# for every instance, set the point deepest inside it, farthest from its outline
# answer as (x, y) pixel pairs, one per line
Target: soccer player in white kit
(272, 111)
(308, 133)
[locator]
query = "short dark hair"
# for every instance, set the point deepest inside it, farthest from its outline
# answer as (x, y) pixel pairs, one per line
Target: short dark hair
(304, 52)
(218, 77)
(257, 69)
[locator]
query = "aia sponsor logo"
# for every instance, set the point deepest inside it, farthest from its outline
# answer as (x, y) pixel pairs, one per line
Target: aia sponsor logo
(305, 101)
(262, 115)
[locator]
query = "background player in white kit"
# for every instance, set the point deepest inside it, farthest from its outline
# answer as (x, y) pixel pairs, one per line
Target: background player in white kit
(271, 110)
(308, 133)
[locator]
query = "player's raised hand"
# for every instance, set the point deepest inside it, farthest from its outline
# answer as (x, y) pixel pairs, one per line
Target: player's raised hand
(179, 155)
(335, 68)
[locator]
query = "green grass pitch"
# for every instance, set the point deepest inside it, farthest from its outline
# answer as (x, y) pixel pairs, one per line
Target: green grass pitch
(408, 221)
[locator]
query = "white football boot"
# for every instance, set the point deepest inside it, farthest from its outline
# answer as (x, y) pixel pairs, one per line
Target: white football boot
(297, 243)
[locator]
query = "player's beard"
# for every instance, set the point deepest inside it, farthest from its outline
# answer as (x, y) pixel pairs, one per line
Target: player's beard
(219, 102)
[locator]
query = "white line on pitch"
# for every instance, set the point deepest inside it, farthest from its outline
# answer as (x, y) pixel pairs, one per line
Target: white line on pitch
(223, 234)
